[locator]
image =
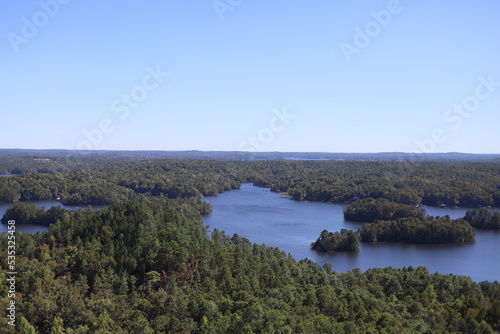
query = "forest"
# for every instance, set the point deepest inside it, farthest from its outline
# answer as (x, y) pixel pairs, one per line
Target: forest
(395, 222)
(114, 180)
(26, 213)
(343, 241)
(483, 219)
(368, 210)
(147, 264)
(430, 230)
(150, 266)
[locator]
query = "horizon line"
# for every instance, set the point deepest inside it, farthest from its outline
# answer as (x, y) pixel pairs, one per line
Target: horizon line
(235, 151)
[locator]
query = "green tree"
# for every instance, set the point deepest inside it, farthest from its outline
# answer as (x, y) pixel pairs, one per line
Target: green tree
(24, 327)
(23, 213)
(57, 326)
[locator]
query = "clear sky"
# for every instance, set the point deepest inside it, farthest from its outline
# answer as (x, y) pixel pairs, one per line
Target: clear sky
(322, 76)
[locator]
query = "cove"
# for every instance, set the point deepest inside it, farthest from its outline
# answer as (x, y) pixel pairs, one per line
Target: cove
(263, 217)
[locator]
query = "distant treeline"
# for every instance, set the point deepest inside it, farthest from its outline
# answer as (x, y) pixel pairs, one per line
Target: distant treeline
(244, 156)
(109, 182)
(429, 183)
(106, 180)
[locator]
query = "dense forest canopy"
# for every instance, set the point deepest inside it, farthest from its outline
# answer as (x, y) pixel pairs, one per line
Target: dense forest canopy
(106, 180)
(343, 241)
(369, 209)
(483, 219)
(395, 222)
(147, 264)
(429, 230)
(428, 183)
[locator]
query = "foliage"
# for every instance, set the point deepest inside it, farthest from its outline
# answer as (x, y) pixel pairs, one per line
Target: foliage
(343, 241)
(23, 213)
(114, 180)
(430, 230)
(483, 219)
(369, 209)
(148, 266)
(464, 184)
(119, 181)
(26, 213)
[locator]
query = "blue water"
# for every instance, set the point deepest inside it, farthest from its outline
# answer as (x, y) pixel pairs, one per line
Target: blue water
(263, 217)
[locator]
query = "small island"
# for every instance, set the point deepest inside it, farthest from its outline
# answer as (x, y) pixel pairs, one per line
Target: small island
(343, 241)
(395, 222)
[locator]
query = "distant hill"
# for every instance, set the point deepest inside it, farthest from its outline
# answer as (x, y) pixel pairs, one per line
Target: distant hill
(234, 155)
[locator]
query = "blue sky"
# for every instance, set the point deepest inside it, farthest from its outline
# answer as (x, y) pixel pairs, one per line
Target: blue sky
(376, 76)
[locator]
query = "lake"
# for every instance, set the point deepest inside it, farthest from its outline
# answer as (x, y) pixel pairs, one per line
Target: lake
(27, 228)
(263, 217)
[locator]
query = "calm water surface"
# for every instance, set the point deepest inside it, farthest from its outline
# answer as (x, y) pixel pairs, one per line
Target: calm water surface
(263, 217)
